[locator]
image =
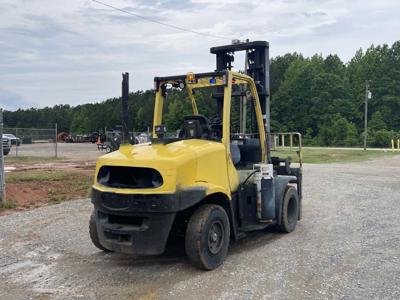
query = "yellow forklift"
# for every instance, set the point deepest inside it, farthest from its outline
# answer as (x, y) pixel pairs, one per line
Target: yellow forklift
(210, 182)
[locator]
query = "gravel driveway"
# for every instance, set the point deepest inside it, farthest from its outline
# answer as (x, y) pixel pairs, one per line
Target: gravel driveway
(346, 247)
(75, 151)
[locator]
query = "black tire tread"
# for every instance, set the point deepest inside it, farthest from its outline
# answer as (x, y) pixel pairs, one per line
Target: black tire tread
(283, 226)
(93, 233)
(194, 232)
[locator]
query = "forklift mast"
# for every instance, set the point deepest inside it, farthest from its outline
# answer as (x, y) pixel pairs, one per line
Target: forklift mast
(257, 63)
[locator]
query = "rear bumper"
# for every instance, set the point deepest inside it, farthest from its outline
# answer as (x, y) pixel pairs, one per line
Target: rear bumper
(139, 224)
(148, 237)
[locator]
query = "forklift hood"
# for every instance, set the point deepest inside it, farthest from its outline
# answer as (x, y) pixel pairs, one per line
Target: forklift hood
(158, 156)
(177, 162)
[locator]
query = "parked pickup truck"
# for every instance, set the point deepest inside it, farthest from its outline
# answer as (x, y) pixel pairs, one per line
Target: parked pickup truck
(6, 145)
(14, 140)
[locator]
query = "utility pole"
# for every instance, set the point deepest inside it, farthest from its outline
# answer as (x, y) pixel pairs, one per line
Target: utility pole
(367, 96)
(2, 171)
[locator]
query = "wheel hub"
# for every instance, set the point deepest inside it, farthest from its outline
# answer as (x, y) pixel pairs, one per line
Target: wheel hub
(216, 236)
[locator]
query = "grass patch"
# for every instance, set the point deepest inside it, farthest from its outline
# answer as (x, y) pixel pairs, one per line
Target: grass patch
(56, 197)
(34, 175)
(31, 159)
(9, 204)
(318, 156)
(73, 186)
(33, 187)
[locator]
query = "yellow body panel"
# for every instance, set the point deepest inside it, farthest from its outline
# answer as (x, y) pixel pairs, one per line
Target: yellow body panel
(182, 164)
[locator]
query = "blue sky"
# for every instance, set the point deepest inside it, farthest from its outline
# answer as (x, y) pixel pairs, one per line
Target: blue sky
(73, 52)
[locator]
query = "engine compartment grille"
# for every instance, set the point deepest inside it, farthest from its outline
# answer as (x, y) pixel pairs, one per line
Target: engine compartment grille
(129, 177)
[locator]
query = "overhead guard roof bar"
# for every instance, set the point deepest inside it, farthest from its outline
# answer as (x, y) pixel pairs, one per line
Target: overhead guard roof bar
(183, 77)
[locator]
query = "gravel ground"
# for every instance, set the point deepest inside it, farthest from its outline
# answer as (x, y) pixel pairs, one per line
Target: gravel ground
(346, 247)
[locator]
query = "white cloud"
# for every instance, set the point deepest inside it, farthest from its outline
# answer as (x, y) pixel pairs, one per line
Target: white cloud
(74, 52)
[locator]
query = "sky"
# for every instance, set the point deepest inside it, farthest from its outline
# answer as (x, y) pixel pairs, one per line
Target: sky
(73, 52)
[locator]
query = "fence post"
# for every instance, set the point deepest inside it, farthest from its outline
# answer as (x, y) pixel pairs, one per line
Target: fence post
(2, 172)
(392, 145)
(55, 141)
(16, 142)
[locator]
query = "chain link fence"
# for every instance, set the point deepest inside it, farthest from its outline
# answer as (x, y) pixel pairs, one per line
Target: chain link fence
(49, 143)
(32, 141)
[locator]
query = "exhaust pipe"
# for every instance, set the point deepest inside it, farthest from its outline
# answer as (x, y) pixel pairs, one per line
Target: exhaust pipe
(125, 112)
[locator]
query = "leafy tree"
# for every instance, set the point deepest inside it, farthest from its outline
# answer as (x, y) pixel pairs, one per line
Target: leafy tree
(376, 123)
(383, 138)
(338, 131)
(278, 68)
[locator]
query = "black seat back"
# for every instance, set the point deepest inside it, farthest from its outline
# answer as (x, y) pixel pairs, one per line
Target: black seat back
(196, 127)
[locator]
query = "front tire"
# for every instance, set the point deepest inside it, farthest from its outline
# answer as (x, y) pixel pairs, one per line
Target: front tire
(93, 233)
(290, 210)
(207, 237)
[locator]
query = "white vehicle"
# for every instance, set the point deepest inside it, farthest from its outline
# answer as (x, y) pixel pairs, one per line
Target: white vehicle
(14, 140)
(6, 144)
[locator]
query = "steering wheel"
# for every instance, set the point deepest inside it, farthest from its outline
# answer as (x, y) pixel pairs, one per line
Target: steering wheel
(216, 127)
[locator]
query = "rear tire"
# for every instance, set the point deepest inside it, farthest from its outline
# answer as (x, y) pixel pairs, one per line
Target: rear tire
(207, 237)
(290, 210)
(93, 233)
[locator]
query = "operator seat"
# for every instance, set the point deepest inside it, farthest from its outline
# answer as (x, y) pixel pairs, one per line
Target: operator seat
(196, 127)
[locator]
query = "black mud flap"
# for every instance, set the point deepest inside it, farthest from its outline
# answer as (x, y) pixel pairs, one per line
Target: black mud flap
(268, 211)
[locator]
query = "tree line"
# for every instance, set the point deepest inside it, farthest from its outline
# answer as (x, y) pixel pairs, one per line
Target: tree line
(323, 98)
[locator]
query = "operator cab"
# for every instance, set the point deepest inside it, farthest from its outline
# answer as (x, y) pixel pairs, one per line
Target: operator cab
(202, 96)
(244, 128)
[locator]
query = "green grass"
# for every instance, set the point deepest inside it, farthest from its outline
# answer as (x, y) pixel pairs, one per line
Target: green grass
(317, 156)
(9, 204)
(31, 159)
(55, 197)
(58, 185)
(74, 184)
(40, 175)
